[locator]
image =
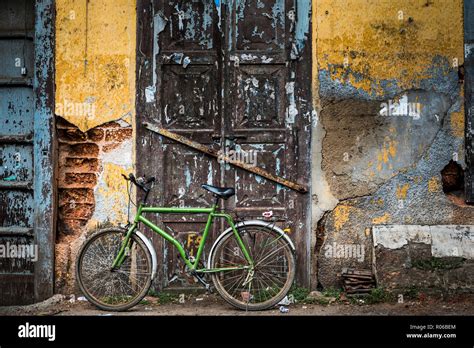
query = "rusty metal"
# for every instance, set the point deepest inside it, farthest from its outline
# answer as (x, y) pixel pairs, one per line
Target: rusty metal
(213, 153)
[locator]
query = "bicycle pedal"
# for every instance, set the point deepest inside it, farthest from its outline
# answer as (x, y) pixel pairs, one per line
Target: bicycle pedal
(202, 281)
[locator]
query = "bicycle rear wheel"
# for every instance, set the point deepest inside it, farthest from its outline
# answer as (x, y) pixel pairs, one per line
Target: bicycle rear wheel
(118, 289)
(272, 276)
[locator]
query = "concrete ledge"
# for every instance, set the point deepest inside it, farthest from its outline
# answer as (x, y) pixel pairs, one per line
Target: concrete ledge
(445, 240)
(427, 257)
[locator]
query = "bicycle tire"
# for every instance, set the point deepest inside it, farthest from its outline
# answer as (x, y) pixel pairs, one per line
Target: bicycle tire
(86, 289)
(232, 297)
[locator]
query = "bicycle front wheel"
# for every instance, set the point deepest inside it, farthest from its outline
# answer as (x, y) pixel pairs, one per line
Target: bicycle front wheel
(262, 286)
(113, 289)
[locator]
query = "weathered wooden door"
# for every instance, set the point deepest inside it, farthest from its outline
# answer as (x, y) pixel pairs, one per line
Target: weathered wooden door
(469, 97)
(26, 151)
(230, 75)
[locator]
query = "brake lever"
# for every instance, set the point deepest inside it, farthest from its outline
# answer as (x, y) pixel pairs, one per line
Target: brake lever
(152, 179)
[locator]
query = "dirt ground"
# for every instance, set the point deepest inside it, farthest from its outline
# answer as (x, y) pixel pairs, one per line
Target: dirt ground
(213, 305)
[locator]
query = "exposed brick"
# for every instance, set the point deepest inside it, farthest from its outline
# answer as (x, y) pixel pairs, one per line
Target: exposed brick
(81, 164)
(71, 226)
(85, 150)
(63, 149)
(80, 179)
(76, 195)
(78, 167)
(110, 147)
(76, 211)
(112, 124)
(118, 135)
(61, 123)
(68, 134)
(96, 134)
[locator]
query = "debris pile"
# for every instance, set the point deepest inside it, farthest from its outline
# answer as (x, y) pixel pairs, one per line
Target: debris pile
(357, 281)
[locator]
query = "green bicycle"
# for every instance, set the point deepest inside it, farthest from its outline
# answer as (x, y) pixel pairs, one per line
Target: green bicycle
(251, 264)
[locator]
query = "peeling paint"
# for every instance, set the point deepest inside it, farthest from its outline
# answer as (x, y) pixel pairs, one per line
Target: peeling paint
(394, 237)
(303, 15)
(111, 193)
(341, 216)
(159, 24)
(402, 191)
(457, 123)
(96, 60)
(292, 110)
(381, 219)
(433, 184)
(378, 59)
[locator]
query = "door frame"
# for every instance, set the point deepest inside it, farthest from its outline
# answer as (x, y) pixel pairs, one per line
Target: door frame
(146, 142)
(469, 100)
(45, 148)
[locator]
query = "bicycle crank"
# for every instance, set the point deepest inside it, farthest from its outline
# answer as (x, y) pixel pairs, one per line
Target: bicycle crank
(202, 281)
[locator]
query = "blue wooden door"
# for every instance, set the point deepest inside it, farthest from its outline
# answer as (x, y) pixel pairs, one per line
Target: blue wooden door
(26, 151)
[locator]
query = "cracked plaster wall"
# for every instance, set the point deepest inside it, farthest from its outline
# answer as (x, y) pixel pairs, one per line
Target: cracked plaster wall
(370, 166)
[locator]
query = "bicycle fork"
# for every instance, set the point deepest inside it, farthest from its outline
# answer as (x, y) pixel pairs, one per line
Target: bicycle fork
(124, 248)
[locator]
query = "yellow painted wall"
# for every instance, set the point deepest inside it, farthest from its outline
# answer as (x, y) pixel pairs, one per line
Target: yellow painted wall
(383, 40)
(95, 61)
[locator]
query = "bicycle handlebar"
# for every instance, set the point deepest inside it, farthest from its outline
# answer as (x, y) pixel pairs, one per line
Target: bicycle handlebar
(140, 182)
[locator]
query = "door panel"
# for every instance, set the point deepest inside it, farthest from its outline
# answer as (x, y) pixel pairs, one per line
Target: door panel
(254, 193)
(17, 18)
(258, 106)
(190, 94)
(260, 25)
(16, 54)
(185, 172)
(191, 25)
(17, 162)
(19, 210)
(17, 104)
(258, 98)
(186, 68)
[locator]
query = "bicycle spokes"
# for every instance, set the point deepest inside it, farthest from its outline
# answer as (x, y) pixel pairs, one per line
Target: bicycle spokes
(117, 286)
(270, 274)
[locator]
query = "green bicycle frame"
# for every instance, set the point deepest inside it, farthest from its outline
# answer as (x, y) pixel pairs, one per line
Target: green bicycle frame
(192, 266)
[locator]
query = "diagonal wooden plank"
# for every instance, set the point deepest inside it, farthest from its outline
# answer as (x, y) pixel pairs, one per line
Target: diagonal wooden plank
(253, 169)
